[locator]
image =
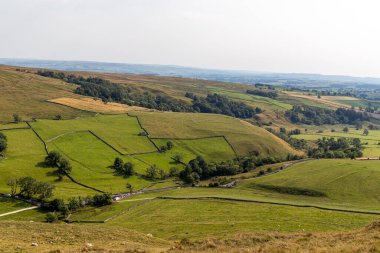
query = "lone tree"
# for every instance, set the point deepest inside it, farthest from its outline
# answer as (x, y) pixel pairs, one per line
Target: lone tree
(365, 132)
(345, 129)
(17, 118)
(129, 187)
(53, 158)
(118, 164)
(64, 166)
(13, 184)
(128, 169)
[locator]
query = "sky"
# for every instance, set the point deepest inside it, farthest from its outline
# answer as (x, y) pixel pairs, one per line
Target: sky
(296, 36)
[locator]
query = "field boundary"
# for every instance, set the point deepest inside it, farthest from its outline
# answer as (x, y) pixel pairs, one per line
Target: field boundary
(271, 203)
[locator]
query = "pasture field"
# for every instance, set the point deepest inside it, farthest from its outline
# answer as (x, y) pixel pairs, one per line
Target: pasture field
(120, 131)
(26, 94)
(9, 205)
(348, 184)
(178, 219)
(243, 136)
(24, 157)
(104, 212)
(259, 101)
(13, 126)
(212, 149)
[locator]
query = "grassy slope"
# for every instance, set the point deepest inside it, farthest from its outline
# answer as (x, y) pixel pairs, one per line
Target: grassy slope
(9, 205)
(178, 219)
(121, 131)
(347, 184)
(243, 136)
(26, 94)
(24, 154)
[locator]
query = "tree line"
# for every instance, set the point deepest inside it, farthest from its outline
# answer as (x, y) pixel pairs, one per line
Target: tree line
(112, 92)
(337, 148)
(262, 93)
(311, 115)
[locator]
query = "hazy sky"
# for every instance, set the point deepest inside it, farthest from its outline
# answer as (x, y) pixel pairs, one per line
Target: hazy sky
(313, 36)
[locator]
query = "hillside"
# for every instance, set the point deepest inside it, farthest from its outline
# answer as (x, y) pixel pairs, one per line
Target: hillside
(27, 94)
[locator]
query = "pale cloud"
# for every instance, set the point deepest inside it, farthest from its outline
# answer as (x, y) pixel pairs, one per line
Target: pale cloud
(331, 37)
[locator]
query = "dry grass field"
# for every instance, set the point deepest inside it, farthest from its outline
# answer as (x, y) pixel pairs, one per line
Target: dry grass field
(96, 105)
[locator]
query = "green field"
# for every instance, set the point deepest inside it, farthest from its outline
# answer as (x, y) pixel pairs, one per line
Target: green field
(13, 126)
(24, 156)
(243, 136)
(178, 219)
(120, 131)
(348, 184)
(9, 205)
(212, 149)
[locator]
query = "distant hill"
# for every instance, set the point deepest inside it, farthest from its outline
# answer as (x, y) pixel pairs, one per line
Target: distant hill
(250, 77)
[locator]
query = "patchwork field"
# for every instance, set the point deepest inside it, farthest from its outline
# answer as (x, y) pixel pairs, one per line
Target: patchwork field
(24, 157)
(243, 136)
(119, 131)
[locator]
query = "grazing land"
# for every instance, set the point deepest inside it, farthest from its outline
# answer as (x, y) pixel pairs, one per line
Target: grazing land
(243, 136)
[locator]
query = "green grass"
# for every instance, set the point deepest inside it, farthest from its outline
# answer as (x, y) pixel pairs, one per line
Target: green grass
(102, 213)
(348, 184)
(12, 125)
(243, 136)
(27, 94)
(120, 131)
(196, 219)
(23, 157)
(9, 205)
(259, 100)
(212, 149)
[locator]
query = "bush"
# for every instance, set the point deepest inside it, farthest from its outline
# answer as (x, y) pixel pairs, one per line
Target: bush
(51, 217)
(102, 199)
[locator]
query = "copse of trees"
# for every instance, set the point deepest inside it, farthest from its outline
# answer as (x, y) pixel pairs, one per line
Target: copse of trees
(125, 169)
(218, 104)
(199, 169)
(112, 92)
(287, 136)
(311, 115)
(30, 188)
(55, 159)
(262, 93)
(3, 142)
(337, 148)
(168, 146)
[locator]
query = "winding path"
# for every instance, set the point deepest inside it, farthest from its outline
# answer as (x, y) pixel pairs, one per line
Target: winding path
(18, 211)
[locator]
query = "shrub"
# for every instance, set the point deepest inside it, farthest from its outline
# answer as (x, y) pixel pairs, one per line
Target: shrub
(51, 217)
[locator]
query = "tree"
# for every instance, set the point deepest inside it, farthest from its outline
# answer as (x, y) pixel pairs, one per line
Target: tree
(118, 164)
(152, 172)
(58, 117)
(17, 118)
(13, 184)
(53, 158)
(44, 190)
(178, 158)
(74, 204)
(128, 169)
(3, 144)
(64, 166)
(129, 187)
(169, 145)
(27, 186)
(51, 217)
(345, 129)
(102, 199)
(173, 172)
(365, 132)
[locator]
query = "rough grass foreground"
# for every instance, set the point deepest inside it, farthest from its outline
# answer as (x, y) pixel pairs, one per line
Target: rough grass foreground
(19, 236)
